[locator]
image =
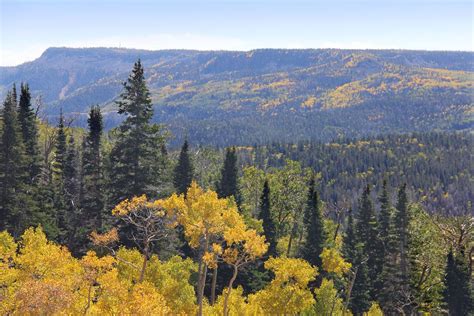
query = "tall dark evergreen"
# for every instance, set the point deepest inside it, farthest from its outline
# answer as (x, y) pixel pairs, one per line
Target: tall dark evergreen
(349, 241)
(29, 131)
(367, 236)
(12, 168)
(314, 226)
(92, 195)
(72, 186)
(59, 166)
(227, 185)
(458, 294)
(183, 172)
(388, 290)
(136, 154)
(269, 228)
(360, 300)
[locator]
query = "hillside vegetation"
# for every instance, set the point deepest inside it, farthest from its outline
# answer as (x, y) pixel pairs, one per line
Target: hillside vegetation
(264, 95)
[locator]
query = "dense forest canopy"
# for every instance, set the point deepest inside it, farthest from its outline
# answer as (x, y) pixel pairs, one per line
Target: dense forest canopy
(113, 222)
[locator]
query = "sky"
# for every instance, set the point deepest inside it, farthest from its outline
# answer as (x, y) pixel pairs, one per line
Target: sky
(28, 27)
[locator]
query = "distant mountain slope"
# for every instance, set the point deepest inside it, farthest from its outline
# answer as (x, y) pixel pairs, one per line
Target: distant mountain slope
(223, 97)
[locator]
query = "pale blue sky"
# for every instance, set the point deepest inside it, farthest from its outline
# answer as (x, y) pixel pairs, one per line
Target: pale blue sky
(28, 27)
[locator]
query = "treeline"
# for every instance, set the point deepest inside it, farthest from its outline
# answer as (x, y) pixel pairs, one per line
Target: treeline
(146, 238)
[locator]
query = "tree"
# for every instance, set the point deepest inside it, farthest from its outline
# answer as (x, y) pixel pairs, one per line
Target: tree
(367, 236)
(288, 292)
(136, 153)
(13, 171)
(269, 229)
(458, 293)
(349, 241)
(183, 172)
(227, 185)
(29, 131)
(92, 200)
(315, 235)
(358, 295)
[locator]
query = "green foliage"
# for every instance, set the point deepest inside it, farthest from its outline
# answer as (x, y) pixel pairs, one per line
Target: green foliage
(183, 172)
(458, 293)
(136, 153)
(228, 183)
(315, 234)
(269, 229)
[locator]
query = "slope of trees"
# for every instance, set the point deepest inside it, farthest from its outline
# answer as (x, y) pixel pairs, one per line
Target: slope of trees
(89, 226)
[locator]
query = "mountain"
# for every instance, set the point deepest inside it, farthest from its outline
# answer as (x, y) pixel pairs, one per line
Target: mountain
(226, 97)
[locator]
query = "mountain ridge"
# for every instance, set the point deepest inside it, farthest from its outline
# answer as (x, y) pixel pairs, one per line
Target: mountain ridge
(306, 87)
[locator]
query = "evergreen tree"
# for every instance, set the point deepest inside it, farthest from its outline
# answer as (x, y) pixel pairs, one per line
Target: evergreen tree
(269, 228)
(183, 172)
(458, 293)
(136, 154)
(29, 130)
(314, 225)
(227, 185)
(349, 240)
(12, 168)
(92, 199)
(59, 164)
(401, 224)
(367, 236)
(359, 300)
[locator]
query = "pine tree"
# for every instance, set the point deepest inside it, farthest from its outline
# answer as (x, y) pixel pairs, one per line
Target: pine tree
(92, 199)
(458, 293)
(183, 172)
(136, 154)
(29, 130)
(269, 228)
(360, 300)
(59, 164)
(388, 290)
(314, 225)
(227, 185)
(401, 224)
(349, 241)
(367, 235)
(12, 168)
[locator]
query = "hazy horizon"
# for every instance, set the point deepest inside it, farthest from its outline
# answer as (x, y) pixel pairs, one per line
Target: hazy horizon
(237, 25)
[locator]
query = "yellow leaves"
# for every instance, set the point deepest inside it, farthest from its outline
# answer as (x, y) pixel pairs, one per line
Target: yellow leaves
(145, 300)
(288, 291)
(291, 270)
(333, 262)
(327, 301)
(105, 239)
(136, 204)
(210, 260)
(374, 310)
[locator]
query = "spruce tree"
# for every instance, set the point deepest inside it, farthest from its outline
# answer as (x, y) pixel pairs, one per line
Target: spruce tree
(29, 130)
(349, 241)
(360, 300)
(136, 155)
(92, 199)
(367, 236)
(183, 172)
(314, 226)
(59, 164)
(458, 293)
(227, 185)
(12, 168)
(269, 228)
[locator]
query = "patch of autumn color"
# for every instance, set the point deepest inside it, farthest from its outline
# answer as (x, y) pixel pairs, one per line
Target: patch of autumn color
(333, 262)
(136, 204)
(309, 102)
(104, 239)
(289, 290)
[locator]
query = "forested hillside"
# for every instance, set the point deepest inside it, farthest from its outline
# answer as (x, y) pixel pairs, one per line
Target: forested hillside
(98, 222)
(228, 98)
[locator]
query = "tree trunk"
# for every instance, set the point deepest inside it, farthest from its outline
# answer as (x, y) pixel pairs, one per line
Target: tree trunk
(229, 289)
